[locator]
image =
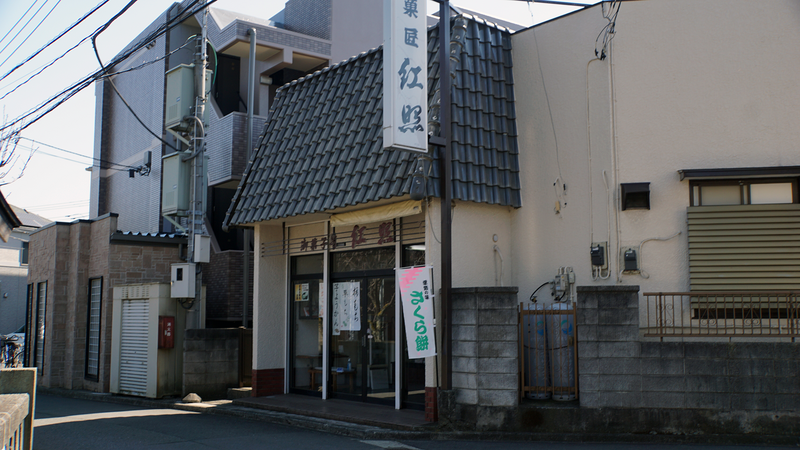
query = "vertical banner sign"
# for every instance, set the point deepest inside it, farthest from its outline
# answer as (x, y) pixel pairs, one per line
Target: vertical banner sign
(415, 292)
(405, 76)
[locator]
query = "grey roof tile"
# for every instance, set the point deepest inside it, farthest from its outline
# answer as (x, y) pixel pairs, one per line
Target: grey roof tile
(322, 147)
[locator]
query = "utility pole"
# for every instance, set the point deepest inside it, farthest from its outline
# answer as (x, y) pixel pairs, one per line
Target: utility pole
(447, 194)
(197, 213)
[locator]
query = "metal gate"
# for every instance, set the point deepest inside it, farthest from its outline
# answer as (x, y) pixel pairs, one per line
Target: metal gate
(133, 347)
(548, 352)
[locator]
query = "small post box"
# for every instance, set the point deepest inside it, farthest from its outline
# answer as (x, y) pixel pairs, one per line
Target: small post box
(166, 331)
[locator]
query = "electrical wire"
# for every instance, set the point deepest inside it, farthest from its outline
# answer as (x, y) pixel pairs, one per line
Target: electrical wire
(52, 41)
(119, 94)
(43, 68)
(533, 296)
(32, 31)
(160, 58)
(560, 178)
(97, 160)
(19, 20)
(609, 30)
(20, 30)
(67, 93)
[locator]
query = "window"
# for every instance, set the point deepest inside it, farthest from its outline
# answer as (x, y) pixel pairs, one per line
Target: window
(743, 192)
(92, 369)
(23, 254)
(41, 304)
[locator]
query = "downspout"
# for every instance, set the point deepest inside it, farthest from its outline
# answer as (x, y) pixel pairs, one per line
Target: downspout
(248, 232)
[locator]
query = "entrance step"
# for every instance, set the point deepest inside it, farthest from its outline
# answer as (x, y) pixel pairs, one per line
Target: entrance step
(234, 393)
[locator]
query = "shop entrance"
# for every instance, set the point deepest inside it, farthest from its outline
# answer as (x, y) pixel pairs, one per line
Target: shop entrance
(363, 338)
(362, 325)
(362, 328)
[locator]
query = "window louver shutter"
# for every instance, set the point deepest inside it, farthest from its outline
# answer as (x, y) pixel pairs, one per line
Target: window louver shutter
(744, 248)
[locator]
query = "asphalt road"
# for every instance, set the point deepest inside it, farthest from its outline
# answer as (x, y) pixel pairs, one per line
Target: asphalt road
(65, 423)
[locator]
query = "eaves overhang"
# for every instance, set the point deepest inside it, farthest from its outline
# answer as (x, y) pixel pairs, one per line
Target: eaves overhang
(740, 172)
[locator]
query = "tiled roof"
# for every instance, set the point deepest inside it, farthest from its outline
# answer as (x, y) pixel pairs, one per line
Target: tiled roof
(322, 147)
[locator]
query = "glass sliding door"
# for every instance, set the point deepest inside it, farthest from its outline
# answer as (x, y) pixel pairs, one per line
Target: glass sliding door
(362, 325)
(305, 370)
(380, 349)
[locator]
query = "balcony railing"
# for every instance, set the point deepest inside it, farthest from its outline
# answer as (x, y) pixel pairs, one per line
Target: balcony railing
(722, 314)
(17, 400)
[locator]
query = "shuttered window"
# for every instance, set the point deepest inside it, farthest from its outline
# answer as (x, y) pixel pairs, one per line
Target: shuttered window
(744, 247)
(133, 347)
(41, 304)
(93, 329)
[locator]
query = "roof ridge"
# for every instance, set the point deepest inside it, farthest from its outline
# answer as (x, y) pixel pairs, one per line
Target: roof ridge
(482, 20)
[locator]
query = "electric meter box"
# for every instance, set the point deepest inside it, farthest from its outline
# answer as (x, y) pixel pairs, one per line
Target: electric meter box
(176, 185)
(182, 280)
(181, 96)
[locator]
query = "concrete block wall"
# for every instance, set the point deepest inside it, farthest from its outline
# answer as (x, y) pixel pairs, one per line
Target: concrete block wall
(677, 387)
(608, 346)
(210, 362)
(485, 357)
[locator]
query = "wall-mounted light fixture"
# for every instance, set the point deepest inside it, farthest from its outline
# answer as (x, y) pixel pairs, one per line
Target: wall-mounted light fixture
(635, 195)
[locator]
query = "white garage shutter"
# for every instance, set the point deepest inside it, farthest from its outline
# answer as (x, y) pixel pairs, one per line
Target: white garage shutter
(133, 351)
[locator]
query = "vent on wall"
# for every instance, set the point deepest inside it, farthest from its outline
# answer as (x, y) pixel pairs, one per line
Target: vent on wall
(635, 195)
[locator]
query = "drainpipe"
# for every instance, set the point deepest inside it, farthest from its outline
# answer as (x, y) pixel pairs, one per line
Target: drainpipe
(248, 232)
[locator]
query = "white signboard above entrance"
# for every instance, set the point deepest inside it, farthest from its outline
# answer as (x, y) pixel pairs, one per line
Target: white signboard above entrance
(405, 76)
(415, 293)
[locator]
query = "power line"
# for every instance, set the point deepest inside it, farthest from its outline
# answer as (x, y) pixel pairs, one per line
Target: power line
(160, 58)
(32, 31)
(59, 205)
(97, 160)
(20, 30)
(19, 20)
(82, 84)
(60, 35)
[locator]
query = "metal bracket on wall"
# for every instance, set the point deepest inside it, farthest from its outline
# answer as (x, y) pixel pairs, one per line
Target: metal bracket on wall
(177, 225)
(178, 136)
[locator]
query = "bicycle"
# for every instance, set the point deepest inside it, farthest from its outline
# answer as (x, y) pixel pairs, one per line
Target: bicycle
(10, 352)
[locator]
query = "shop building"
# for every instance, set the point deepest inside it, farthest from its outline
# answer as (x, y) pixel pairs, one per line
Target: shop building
(333, 221)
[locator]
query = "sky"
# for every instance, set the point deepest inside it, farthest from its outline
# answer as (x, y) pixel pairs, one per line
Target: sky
(56, 150)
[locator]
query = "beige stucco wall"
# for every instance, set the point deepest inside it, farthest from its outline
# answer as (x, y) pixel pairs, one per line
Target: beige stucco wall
(269, 306)
(688, 85)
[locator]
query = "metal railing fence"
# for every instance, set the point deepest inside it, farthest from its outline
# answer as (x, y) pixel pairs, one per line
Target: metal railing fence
(722, 314)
